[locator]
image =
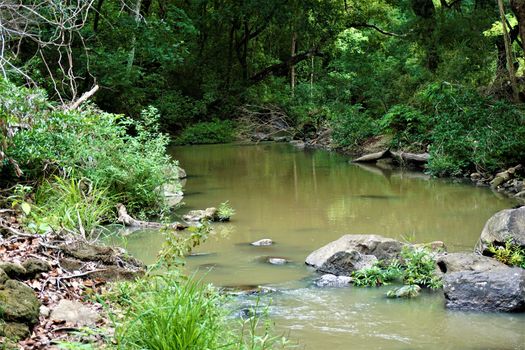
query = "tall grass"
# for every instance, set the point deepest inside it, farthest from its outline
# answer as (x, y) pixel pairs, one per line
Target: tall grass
(77, 205)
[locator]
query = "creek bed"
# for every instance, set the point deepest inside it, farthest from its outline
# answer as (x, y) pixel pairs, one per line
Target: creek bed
(305, 199)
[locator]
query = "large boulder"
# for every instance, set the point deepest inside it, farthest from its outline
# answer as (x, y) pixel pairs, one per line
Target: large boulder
(454, 262)
(506, 225)
(496, 290)
(353, 252)
(329, 280)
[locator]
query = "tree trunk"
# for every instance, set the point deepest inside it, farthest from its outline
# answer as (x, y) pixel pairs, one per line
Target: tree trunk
(98, 8)
(292, 65)
(518, 7)
(508, 51)
(131, 55)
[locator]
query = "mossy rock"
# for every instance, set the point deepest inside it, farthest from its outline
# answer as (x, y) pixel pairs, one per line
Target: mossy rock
(3, 276)
(13, 270)
(34, 266)
(14, 330)
(18, 303)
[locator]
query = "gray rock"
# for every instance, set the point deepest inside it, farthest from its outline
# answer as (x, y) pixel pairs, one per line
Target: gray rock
(454, 262)
(34, 266)
(262, 242)
(277, 261)
(18, 302)
(505, 225)
(410, 291)
(74, 312)
(338, 257)
(329, 280)
(200, 215)
(3, 276)
(181, 173)
(13, 270)
(496, 290)
(343, 263)
(298, 143)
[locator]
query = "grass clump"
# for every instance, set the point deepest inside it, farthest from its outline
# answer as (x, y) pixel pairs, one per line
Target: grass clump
(509, 254)
(416, 268)
(225, 211)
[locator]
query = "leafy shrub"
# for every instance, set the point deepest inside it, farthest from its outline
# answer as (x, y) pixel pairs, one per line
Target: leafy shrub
(376, 275)
(217, 131)
(225, 211)
(419, 268)
(509, 254)
(470, 130)
(352, 126)
(408, 124)
(124, 157)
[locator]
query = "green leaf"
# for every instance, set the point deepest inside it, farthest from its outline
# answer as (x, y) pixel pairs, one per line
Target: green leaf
(26, 208)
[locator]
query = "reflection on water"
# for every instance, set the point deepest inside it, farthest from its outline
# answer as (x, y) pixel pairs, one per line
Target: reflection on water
(302, 200)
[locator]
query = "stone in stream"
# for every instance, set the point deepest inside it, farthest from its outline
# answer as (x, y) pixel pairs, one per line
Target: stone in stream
(274, 260)
(353, 252)
(410, 291)
(455, 262)
(329, 280)
(500, 290)
(246, 289)
(200, 215)
(506, 225)
(74, 312)
(262, 242)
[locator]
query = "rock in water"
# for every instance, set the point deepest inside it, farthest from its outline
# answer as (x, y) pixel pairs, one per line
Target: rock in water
(329, 280)
(410, 291)
(74, 312)
(454, 262)
(497, 290)
(343, 263)
(276, 260)
(200, 215)
(503, 226)
(262, 242)
(353, 252)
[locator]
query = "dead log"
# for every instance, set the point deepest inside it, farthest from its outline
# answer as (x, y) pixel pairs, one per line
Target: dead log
(405, 157)
(372, 157)
(125, 219)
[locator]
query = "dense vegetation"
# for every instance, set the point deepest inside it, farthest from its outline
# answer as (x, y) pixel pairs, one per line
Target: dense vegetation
(440, 76)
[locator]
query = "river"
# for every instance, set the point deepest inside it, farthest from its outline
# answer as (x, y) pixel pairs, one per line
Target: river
(305, 199)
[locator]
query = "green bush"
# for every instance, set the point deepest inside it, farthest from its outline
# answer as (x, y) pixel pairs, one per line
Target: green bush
(471, 131)
(407, 124)
(217, 131)
(351, 126)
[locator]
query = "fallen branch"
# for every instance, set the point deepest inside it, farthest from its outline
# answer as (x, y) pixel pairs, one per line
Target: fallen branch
(125, 219)
(85, 96)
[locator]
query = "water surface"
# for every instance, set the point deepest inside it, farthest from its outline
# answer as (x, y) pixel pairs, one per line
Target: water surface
(305, 199)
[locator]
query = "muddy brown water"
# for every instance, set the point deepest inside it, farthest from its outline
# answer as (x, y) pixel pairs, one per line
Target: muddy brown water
(305, 199)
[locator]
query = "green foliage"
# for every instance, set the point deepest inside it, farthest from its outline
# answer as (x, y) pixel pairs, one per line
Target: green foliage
(217, 131)
(352, 126)
(225, 211)
(470, 130)
(408, 124)
(509, 254)
(127, 158)
(76, 205)
(419, 268)
(376, 275)
(169, 313)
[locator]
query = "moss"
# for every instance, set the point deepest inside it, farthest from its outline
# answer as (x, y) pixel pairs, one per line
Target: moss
(18, 302)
